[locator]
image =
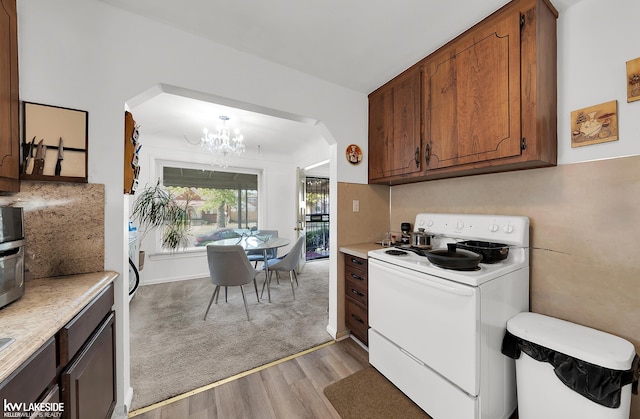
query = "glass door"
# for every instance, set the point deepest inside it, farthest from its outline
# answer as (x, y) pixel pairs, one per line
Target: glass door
(317, 218)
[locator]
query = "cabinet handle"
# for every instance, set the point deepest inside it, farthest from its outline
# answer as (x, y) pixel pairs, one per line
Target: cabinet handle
(359, 278)
(358, 319)
(356, 292)
(417, 157)
(356, 261)
(427, 153)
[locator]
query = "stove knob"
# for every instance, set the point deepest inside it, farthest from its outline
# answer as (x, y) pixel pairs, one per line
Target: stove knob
(459, 225)
(508, 229)
(494, 227)
(430, 223)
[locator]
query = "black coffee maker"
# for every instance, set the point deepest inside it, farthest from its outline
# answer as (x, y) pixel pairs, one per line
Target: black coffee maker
(406, 233)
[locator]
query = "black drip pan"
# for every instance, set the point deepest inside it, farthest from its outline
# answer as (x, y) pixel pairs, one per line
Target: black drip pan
(394, 252)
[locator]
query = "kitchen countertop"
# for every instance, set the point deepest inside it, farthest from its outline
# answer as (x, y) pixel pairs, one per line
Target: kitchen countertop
(46, 306)
(360, 249)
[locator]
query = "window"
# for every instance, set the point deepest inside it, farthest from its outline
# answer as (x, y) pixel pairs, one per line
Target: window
(221, 202)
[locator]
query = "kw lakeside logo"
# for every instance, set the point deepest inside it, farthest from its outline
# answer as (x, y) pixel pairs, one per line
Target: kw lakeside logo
(25, 410)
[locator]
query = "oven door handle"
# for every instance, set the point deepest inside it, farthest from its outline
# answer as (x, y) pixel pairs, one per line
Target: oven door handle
(451, 289)
(421, 279)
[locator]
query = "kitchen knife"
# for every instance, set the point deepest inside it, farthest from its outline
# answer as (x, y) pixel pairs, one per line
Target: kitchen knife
(60, 158)
(27, 153)
(38, 162)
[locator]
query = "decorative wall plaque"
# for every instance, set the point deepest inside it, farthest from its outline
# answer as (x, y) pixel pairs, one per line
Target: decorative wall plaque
(595, 124)
(354, 154)
(633, 80)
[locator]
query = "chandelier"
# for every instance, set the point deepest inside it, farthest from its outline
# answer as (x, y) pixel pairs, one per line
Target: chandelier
(223, 144)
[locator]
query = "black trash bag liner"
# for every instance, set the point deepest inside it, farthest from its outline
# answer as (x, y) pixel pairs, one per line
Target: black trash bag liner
(597, 383)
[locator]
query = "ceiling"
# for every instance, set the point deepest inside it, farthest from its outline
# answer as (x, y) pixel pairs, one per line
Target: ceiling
(357, 44)
(182, 115)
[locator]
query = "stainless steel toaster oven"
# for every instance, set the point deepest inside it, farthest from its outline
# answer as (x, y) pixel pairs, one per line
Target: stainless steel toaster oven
(11, 255)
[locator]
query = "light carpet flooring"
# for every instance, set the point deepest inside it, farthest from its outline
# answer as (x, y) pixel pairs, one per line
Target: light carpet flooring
(173, 350)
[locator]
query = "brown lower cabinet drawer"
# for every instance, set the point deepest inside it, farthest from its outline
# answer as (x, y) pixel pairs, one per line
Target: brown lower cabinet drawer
(357, 320)
(356, 275)
(28, 383)
(357, 291)
(356, 265)
(75, 333)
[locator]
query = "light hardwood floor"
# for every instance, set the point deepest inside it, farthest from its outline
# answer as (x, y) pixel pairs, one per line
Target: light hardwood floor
(290, 389)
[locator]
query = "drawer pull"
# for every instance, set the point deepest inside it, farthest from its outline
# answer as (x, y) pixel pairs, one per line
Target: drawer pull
(358, 277)
(358, 319)
(356, 292)
(356, 261)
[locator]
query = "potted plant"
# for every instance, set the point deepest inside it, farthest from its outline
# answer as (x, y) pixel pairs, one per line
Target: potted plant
(156, 207)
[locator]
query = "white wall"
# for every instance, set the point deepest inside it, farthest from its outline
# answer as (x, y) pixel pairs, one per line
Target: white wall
(595, 40)
(87, 55)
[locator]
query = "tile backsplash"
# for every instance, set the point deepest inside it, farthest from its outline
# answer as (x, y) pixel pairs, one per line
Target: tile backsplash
(63, 226)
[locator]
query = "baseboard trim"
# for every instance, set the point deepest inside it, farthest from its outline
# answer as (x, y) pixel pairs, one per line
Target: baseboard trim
(175, 279)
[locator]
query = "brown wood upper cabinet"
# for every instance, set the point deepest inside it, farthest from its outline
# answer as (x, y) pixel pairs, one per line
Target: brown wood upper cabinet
(394, 127)
(9, 99)
(488, 99)
(470, 92)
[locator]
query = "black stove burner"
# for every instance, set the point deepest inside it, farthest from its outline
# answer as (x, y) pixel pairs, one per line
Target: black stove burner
(416, 250)
(394, 252)
(474, 268)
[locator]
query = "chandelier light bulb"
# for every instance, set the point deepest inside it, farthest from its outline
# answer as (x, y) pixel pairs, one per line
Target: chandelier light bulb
(222, 144)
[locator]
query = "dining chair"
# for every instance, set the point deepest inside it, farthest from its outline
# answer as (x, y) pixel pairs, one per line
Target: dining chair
(230, 267)
(286, 263)
(258, 255)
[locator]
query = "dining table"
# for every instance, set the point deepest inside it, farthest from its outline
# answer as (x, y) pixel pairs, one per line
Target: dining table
(257, 241)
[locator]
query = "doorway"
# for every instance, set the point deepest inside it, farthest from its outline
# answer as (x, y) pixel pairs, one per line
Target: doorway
(317, 218)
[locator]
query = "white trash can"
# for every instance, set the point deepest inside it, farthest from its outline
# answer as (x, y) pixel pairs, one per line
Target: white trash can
(564, 370)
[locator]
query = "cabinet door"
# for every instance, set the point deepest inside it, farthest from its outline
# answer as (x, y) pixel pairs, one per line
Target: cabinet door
(380, 132)
(406, 125)
(394, 127)
(9, 99)
(88, 383)
(472, 97)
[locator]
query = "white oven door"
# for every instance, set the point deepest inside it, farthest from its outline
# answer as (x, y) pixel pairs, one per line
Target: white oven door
(434, 320)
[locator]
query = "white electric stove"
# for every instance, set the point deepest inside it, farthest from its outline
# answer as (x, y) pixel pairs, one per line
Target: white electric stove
(436, 333)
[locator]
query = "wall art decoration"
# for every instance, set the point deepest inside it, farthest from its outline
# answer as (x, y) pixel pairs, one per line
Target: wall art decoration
(55, 142)
(595, 124)
(354, 154)
(633, 80)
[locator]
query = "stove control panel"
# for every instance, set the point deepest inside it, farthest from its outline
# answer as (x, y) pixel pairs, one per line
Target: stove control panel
(493, 228)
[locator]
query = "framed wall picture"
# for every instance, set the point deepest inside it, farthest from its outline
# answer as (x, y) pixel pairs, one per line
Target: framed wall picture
(595, 124)
(633, 80)
(54, 144)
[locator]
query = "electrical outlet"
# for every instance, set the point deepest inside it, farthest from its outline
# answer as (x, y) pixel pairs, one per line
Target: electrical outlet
(356, 205)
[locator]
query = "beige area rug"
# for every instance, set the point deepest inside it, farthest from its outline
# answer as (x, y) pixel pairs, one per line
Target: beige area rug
(368, 394)
(173, 351)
